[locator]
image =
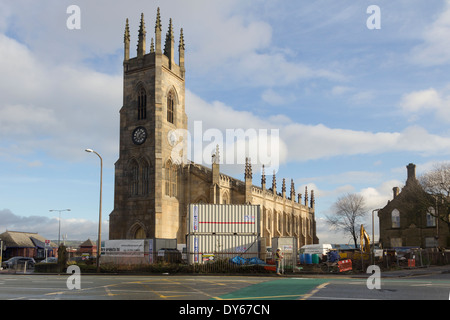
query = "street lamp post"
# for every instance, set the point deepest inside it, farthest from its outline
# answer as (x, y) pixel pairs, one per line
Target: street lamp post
(373, 234)
(59, 228)
(99, 241)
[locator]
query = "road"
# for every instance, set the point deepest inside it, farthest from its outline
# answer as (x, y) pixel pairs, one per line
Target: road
(225, 288)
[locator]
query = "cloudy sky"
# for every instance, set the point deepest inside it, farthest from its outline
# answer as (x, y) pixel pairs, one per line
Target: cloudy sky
(353, 105)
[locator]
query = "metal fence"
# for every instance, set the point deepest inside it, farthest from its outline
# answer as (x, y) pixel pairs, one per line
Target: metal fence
(21, 267)
(421, 258)
(240, 263)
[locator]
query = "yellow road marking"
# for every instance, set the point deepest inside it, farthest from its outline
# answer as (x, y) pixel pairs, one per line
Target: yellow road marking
(317, 289)
(265, 297)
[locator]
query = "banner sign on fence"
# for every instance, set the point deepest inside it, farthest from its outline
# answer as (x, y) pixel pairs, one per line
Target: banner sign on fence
(150, 250)
(195, 226)
(124, 248)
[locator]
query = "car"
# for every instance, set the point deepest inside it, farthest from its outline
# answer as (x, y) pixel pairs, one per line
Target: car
(50, 260)
(14, 261)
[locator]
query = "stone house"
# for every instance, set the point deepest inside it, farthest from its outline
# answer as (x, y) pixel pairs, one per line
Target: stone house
(409, 220)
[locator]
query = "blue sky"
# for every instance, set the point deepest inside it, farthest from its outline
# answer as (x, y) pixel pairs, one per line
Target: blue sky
(354, 106)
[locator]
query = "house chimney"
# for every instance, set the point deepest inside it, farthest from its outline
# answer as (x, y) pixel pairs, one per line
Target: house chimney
(396, 191)
(411, 173)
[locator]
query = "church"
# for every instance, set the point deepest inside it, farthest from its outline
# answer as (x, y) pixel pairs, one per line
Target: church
(152, 190)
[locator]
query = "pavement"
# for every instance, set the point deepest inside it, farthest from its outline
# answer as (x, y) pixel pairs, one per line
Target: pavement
(409, 272)
(405, 272)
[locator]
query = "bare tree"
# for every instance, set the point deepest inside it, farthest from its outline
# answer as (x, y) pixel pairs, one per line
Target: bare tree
(436, 183)
(348, 210)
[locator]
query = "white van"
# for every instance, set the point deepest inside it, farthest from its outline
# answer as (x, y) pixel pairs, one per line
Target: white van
(319, 249)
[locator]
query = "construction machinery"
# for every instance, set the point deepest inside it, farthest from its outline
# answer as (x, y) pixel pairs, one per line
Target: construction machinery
(364, 246)
(364, 241)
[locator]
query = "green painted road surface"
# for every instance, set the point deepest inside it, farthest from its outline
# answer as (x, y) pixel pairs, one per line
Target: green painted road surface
(282, 289)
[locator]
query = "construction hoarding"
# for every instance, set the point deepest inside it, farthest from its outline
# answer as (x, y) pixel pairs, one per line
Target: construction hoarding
(208, 247)
(223, 219)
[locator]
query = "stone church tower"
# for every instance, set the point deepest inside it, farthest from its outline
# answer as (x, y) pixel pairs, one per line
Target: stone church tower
(146, 201)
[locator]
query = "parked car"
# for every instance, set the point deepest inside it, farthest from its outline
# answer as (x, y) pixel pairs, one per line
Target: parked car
(50, 260)
(14, 261)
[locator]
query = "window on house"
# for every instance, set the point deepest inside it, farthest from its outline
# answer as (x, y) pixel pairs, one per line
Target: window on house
(431, 242)
(431, 217)
(395, 218)
(142, 105)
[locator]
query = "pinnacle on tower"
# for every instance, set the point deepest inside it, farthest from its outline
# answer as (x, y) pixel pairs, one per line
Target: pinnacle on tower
(169, 44)
(216, 156)
(181, 52)
(158, 24)
(152, 47)
(263, 177)
(306, 195)
(126, 41)
(158, 30)
(181, 45)
(274, 183)
(142, 36)
(292, 190)
(248, 169)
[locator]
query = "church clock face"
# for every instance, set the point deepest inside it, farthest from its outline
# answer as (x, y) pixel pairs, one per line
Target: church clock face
(139, 135)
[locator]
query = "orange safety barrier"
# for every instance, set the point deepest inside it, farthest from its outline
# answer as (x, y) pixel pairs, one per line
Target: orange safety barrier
(411, 263)
(345, 265)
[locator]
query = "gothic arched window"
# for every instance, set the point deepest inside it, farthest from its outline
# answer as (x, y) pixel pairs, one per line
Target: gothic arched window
(170, 107)
(145, 179)
(395, 216)
(167, 177)
(174, 181)
(134, 178)
(142, 104)
(140, 233)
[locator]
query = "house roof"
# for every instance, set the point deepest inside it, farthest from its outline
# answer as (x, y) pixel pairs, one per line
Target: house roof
(88, 243)
(24, 239)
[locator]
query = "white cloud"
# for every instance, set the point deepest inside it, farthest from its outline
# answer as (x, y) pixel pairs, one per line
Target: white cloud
(311, 142)
(340, 90)
(75, 229)
(428, 101)
(377, 197)
(274, 69)
(435, 50)
(276, 99)
(55, 108)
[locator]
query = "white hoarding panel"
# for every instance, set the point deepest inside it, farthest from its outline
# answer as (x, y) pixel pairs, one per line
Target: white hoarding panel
(223, 219)
(124, 248)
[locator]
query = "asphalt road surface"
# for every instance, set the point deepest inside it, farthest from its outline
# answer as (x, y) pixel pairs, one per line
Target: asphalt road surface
(224, 288)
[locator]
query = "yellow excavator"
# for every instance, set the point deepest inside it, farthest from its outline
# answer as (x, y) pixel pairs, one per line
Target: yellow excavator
(364, 241)
(364, 246)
